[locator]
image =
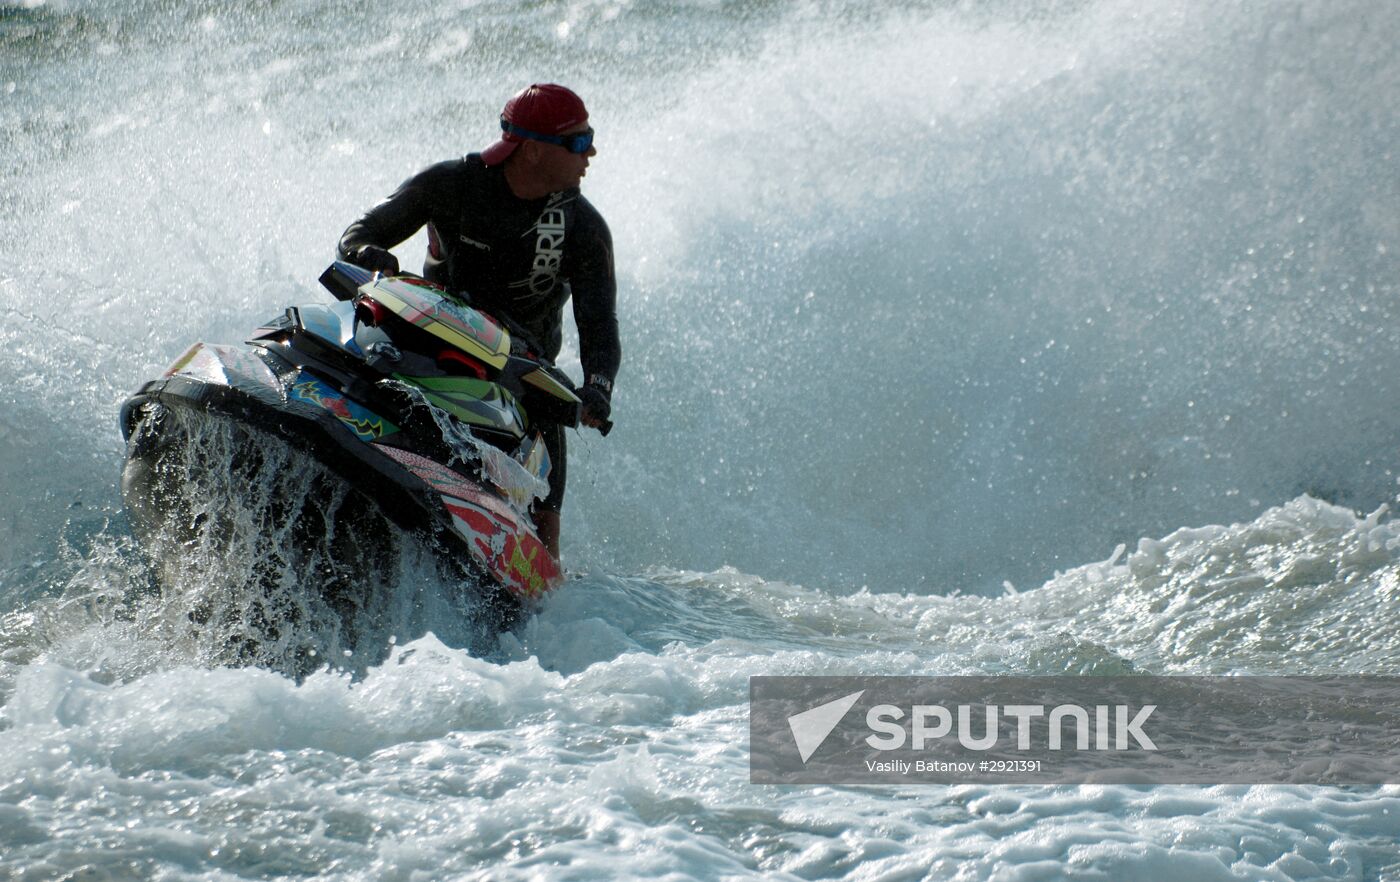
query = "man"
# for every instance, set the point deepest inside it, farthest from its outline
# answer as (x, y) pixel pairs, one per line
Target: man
(508, 228)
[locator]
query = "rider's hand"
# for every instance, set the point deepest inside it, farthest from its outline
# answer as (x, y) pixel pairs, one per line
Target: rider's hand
(377, 260)
(597, 405)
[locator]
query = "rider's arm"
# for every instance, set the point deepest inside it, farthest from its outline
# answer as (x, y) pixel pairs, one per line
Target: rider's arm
(594, 288)
(417, 201)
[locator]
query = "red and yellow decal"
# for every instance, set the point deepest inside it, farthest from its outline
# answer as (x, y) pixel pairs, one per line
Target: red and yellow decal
(514, 555)
(461, 326)
(508, 549)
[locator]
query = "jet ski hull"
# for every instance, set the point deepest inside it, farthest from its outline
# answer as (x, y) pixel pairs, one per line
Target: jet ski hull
(302, 396)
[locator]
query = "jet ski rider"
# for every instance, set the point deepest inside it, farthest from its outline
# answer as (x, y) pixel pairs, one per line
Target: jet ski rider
(509, 228)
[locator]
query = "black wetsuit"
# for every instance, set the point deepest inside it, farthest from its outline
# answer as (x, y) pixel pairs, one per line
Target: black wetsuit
(516, 258)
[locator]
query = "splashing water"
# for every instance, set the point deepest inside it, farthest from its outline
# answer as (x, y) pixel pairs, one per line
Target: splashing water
(942, 299)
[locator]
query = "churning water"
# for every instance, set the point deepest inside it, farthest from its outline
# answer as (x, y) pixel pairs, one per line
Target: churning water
(919, 300)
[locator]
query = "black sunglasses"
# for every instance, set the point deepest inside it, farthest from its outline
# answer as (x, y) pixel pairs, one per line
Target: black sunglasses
(576, 143)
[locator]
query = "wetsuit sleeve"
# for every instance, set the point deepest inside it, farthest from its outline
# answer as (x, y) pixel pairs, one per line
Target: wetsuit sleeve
(594, 289)
(420, 200)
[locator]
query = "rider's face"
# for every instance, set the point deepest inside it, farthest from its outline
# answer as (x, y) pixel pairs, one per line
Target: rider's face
(562, 169)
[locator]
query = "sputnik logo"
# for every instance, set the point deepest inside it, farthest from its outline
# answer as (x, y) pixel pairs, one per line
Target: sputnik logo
(810, 728)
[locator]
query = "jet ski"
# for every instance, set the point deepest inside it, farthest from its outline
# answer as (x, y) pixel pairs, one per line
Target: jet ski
(412, 408)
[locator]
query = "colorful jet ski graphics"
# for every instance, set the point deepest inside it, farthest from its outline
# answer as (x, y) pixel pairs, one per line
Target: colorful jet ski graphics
(416, 401)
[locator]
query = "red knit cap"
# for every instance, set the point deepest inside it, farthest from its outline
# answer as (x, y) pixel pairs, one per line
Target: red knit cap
(544, 108)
